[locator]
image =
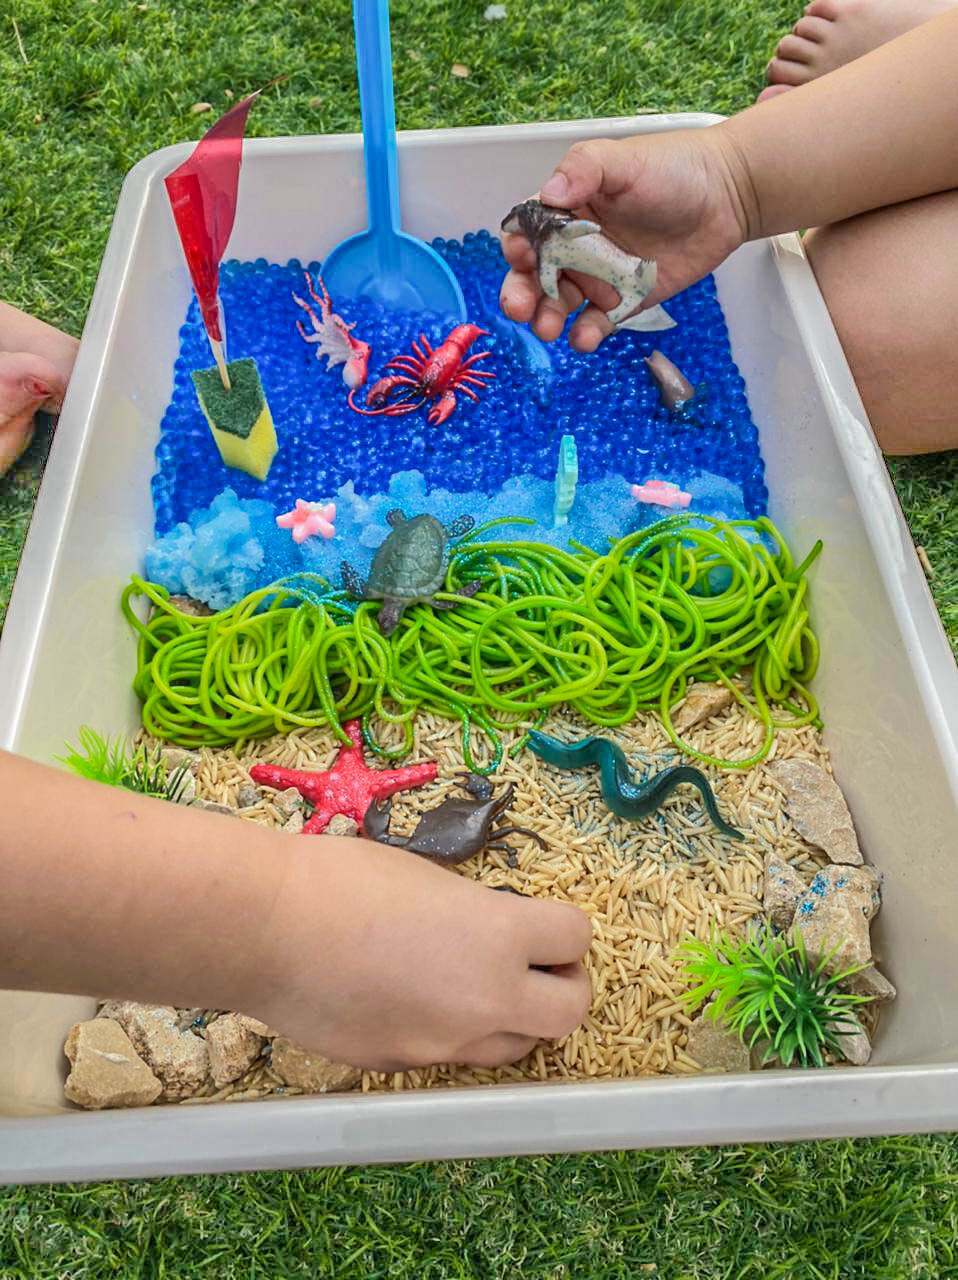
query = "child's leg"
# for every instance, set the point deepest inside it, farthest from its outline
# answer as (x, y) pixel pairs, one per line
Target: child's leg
(833, 32)
(890, 279)
(36, 361)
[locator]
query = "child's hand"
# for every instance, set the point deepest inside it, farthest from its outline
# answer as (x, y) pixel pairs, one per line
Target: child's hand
(422, 966)
(674, 197)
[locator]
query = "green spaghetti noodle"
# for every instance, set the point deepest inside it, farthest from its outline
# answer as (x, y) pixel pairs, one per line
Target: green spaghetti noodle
(606, 634)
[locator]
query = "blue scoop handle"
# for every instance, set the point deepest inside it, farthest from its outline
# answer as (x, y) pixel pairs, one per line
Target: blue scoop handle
(374, 65)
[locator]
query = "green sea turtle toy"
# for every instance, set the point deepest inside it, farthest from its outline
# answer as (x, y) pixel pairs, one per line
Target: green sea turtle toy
(409, 567)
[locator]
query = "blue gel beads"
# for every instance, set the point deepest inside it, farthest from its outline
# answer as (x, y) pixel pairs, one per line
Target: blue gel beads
(607, 401)
(234, 546)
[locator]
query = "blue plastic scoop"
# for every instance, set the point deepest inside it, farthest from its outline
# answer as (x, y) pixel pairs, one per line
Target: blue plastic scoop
(384, 263)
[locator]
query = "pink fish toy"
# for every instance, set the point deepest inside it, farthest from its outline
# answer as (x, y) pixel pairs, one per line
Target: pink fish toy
(334, 336)
(307, 519)
(660, 493)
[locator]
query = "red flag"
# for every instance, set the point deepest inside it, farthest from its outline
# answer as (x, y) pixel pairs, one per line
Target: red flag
(202, 194)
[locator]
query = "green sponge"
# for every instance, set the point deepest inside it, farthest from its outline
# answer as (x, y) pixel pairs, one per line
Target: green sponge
(239, 418)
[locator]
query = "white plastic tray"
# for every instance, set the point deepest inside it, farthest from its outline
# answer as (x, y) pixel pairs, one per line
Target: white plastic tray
(888, 683)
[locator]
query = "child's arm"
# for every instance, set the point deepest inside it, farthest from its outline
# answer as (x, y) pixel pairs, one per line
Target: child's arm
(370, 954)
(877, 131)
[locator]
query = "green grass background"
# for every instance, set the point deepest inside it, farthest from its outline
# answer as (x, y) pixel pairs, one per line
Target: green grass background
(107, 81)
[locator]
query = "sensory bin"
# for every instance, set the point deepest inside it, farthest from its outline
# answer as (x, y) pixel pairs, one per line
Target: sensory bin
(680, 637)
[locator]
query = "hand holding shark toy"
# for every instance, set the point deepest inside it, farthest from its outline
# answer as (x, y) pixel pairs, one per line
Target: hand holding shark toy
(611, 209)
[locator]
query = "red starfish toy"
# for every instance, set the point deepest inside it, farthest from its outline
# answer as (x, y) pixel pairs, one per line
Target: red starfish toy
(349, 787)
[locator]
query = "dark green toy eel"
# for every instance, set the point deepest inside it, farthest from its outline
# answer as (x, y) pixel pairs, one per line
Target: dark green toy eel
(619, 789)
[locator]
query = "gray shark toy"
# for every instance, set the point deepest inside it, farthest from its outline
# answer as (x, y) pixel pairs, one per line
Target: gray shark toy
(563, 242)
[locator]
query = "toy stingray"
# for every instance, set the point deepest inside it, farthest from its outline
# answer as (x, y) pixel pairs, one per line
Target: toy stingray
(563, 242)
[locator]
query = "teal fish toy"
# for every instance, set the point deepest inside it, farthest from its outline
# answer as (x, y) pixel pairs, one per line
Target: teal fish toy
(567, 476)
(624, 797)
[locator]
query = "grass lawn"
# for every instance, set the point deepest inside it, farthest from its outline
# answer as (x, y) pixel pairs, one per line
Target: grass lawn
(98, 84)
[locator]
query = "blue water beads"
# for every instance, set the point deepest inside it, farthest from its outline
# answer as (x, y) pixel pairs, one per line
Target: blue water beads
(606, 400)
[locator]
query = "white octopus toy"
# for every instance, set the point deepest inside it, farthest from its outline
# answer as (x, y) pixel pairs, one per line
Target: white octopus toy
(336, 342)
(563, 242)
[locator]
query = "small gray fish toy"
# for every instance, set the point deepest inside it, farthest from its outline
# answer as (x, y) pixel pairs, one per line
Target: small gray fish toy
(563, 242)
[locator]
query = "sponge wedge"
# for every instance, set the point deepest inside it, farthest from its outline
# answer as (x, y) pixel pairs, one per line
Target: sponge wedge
(239, 418)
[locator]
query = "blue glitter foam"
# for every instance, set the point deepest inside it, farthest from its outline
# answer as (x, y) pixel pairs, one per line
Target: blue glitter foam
(233, 546)
(606, 400)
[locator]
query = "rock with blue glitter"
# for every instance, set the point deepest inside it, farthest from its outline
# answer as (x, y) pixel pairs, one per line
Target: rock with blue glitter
(834, 915)
(784, 890)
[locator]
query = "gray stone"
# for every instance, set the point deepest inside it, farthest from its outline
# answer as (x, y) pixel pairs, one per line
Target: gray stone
(871, 983)
(340, 825)
(195, 608)
(210, 806)
(310, 1071)
(833, 917)
(701, 703)
(287, 802)
(185, 786)
(174, 758)
(784, 890)
(854, 1044)
(294, 823)
(817, 808)
(715, 1048)
(106, 1070)
(233, 1048)
(178, 1058)
(247, 796)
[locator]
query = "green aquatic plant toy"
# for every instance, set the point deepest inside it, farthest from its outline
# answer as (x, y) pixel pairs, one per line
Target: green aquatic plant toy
(114, 764)
(624, 796)
(608, 634)
(770, 993)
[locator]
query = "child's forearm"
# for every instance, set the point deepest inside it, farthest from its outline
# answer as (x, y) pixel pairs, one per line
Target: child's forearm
(106, 892)
(877, 131)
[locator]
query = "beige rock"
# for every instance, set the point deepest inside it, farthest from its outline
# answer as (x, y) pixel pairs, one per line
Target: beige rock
(310, 1071)
(180, 1059)
(106, 1070)
(834, 915)
(817, 808)
(294, 823)
(871, 983)
(715, 1048)
(288, 802)
(233, 1048)
(258, 1028)
(701, 703)
(854, 1044)
(784, 889)
(340, 825)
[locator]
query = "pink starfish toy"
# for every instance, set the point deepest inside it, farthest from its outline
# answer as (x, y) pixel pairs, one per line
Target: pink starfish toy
(309, 518)
(660, 493)
(349, 787)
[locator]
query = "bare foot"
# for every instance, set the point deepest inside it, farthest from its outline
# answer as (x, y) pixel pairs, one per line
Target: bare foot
(36, 361)
(28, 383)
(834, 32)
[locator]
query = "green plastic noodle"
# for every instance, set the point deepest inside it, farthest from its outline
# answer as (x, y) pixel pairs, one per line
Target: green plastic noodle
(608, 634)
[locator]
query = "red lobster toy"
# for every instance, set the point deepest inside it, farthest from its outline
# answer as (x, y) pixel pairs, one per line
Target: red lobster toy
(436, 375)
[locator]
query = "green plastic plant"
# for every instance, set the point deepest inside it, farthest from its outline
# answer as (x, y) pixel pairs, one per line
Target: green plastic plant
(768, 991)
(116, 765)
